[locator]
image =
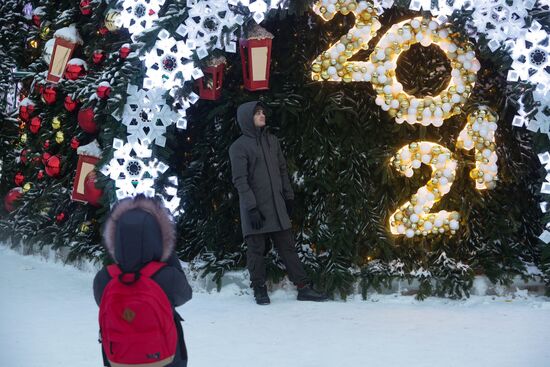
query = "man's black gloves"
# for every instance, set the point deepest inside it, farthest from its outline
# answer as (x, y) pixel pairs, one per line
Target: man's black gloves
(289, 206)
(256, 218)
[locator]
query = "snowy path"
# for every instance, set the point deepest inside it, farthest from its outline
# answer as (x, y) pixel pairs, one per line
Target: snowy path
(48, 319)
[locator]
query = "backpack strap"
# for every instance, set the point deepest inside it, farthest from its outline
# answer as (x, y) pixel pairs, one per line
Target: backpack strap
(151, 268)
(114, 270)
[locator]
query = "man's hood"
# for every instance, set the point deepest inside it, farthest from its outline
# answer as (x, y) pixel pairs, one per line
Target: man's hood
(139, 230)
(245, 118)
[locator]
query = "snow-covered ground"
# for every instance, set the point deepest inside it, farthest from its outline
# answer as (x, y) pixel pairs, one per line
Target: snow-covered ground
(49, 319)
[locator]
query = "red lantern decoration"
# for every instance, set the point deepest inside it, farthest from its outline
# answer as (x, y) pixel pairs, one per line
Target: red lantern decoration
(124, 51)
(98, 57)
(83, 190)
(26, 109)
(86, 120)
(66, 40)
(19, 179)
(75, 69)
(103, 90)
(49, 94)
(70, 104)
(11, 197)
(210, 85)
(256, 59)
(53, 166)
(92, 193)
(85, 7)
(36, 123)
(75, 143)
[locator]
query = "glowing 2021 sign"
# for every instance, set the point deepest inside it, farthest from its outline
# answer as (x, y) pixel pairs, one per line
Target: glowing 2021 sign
(415, 217)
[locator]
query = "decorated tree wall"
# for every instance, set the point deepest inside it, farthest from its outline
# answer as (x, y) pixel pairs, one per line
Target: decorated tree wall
(403, 124)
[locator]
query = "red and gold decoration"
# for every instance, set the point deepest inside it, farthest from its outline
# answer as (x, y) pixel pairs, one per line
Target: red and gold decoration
(210, 85)
(66, 40)
(84, 189)
(76, 68)
(86, 120)
(70, 104)
(53, 166)
(36, 124)
(255, 53)
(11, 197)
(49, 95)
(26, 109)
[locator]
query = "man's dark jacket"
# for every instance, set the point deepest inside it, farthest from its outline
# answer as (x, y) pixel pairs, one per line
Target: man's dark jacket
(259, 174)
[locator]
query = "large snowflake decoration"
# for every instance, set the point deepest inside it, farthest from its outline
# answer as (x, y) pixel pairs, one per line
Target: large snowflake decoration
(499, 20)
(146, 116)
(132, 169)
(531, 56)
(207, 25)
(139, 15)
(168, 63)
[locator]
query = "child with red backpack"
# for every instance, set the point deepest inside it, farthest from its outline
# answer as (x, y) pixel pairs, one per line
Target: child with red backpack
(137, 295)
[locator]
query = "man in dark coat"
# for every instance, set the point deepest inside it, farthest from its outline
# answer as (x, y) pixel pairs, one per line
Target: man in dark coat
(260, 175)
(140, 230)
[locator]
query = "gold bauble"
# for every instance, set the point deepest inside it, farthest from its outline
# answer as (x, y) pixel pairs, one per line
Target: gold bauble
(56, 123)
(59, 137)
(24, 138)
(316, 67)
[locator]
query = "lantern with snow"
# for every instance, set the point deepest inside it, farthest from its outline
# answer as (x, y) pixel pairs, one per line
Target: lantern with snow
(26, 109)
(75, 69)
(66, 40)
(256, 58)
(86, 120)
(210, 85)
(11, 197)
(88, 156)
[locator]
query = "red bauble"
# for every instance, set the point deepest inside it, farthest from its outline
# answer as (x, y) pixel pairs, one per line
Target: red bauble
(60, 217)
(50, 95)
(53, 166)
(19, 179)
(36, 123)
(75, 143)
(23, 156)
(74, 71)
(103, 31)
(36, 20)
(25, 112)
(98, 57)
(93, 194)
(85, 7)
(86, 120)
(40, 175)
(47, 144)
(103, 91)
(124, 51)
(70, 104)
(45, 157)
(10, 198)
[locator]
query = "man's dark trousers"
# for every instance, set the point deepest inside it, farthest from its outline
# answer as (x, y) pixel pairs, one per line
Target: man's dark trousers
(284, 243)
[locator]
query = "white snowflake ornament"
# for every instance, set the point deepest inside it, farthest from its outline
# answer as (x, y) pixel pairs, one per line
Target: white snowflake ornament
(139, 15)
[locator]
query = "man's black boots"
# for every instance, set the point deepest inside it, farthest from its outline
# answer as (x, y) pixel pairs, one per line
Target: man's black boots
(307, 293)
(260, 294)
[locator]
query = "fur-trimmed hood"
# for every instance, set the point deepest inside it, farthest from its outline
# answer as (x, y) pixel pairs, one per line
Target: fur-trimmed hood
(137, 231)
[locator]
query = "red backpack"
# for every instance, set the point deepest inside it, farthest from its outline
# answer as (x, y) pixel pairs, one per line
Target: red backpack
(136, 319)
